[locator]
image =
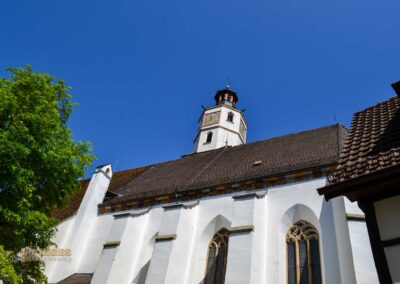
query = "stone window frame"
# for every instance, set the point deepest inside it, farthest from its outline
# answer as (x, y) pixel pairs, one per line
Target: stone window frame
(299, 232)
(220, 240)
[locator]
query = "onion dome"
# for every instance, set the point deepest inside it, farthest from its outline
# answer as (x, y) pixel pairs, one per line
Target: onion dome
(227, 97)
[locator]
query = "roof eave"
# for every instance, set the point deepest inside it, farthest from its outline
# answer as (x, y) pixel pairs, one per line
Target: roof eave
(376, 185)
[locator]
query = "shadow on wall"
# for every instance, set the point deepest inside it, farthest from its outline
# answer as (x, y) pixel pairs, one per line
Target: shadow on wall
(142, 275)
(328, 244)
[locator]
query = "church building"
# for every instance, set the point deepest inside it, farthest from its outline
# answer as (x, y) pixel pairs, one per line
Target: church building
(230, 212)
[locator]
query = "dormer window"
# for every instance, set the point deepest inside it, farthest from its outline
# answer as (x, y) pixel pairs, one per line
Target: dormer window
(230, 117)
(209, 137)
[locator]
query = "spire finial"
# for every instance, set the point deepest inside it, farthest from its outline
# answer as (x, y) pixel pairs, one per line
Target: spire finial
(228, 83)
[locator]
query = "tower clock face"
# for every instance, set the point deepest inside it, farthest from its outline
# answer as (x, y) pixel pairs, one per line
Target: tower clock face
(211, 118)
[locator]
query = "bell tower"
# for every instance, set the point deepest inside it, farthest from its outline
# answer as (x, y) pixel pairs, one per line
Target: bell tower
(221, 125)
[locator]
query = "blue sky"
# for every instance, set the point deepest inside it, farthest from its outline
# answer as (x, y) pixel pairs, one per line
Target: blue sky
(140, 70)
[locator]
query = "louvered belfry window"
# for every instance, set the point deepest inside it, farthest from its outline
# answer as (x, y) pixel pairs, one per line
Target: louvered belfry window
(217, 257)
(303, 258)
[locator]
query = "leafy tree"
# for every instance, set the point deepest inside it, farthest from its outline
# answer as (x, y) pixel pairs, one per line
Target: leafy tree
(40, 167)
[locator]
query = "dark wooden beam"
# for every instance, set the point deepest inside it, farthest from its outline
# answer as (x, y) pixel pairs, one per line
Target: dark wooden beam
(376, 243)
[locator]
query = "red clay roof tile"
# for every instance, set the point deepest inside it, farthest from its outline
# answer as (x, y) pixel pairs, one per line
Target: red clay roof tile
(373, 142)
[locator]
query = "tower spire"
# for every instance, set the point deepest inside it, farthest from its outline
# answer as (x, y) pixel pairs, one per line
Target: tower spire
(226, 97)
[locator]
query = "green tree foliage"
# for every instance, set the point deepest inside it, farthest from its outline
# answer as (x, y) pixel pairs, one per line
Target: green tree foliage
(40, 167)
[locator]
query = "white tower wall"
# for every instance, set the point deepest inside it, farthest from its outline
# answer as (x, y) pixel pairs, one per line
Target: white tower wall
(224, 132)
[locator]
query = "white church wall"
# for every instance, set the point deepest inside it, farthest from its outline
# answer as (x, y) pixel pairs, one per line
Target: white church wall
(352, 207)
(185, 233)
(94, 245)
(142, 247)
(364, 266)
(58, 270)
(288, 204)
(258, 255)
(213, 214)
(104, 265)
(345, 257)
(174, 233)
(63, 229)
(259, 249)
(122, 269)
(111, 247)
(79, 236)
(239, 260)
(361, 249)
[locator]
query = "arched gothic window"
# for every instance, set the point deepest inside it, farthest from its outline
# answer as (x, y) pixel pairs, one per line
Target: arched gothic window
(303, 260)
(217, 257)
(209, 137)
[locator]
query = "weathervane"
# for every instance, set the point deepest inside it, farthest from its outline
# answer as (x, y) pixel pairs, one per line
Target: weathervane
(228, 83)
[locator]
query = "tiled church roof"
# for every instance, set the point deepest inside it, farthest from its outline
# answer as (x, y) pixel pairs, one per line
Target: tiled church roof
(119, 179)
(282, 155)
(373, 143)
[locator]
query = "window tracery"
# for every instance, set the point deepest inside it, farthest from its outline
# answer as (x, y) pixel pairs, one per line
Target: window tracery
(303, 258)
(217, 258)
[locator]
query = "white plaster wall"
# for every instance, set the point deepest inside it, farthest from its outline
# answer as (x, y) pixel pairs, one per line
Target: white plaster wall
(201, 146)
(352, 207)
(179, 257)
(63, 229)
(94, 246)
(144, 253)
(345, 256)
(183, 260)
(288, 204)
(239, 261)
(259, 249)
(364, 265)
(361, 249)
(214, 214)
(132, 242)
(83, 229)
(104, 266)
